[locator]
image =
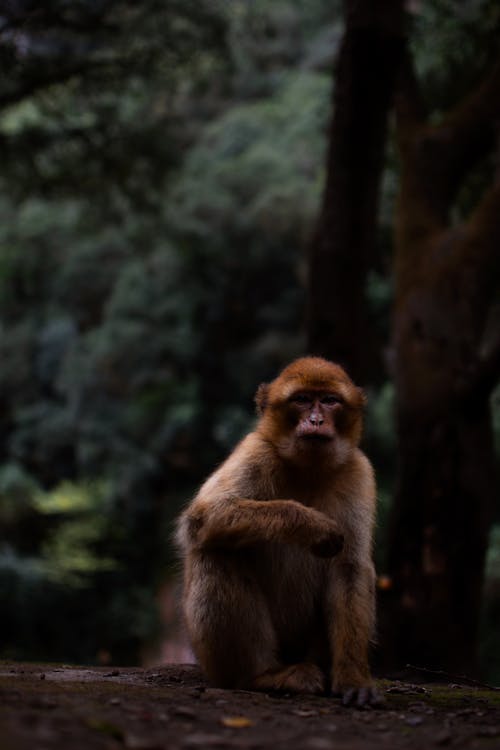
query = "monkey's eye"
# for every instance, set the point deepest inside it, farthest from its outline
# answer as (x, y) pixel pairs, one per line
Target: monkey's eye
(301, 398)
(331, 399)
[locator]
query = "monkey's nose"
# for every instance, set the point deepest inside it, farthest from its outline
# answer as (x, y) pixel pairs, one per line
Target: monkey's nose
(316, 419)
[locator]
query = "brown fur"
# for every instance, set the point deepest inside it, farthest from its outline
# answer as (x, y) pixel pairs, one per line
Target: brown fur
(279, 593)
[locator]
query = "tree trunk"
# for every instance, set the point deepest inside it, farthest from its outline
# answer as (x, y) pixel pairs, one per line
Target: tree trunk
(343, 245)
(445, 282)
(439, 533)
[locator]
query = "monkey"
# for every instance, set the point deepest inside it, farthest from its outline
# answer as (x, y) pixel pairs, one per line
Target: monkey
(279, 583)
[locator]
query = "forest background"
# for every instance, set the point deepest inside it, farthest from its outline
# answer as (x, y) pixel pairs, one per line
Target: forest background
(164, 168)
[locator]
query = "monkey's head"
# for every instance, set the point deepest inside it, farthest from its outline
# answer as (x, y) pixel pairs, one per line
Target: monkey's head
(312, 411)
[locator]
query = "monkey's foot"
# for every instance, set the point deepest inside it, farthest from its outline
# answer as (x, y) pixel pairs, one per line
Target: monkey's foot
(297, 678)
(361, 697)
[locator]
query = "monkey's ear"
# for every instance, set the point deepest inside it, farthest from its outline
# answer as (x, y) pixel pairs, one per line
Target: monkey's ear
(261, 397)
(363, 398)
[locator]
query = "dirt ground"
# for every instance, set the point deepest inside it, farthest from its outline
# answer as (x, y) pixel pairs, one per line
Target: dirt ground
(50, 707)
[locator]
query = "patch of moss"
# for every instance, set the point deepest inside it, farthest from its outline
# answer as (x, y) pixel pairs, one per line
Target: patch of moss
(440, 696)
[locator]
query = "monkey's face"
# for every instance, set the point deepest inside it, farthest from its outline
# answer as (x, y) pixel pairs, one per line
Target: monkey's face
(311, 412)
(319, 425)
(313, 415)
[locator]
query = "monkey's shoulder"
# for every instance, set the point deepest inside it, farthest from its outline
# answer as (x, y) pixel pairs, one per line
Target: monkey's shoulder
(357, 477)
(248, 472)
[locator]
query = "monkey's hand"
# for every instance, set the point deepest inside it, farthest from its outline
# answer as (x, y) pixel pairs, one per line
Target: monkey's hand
(328, 541)
(359, 697)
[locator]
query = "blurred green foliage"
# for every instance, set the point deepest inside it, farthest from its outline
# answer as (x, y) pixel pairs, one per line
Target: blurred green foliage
(453, 42)
(150, 277)
(162, 169)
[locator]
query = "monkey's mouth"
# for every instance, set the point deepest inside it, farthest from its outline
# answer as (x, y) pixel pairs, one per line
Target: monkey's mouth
(314, 435)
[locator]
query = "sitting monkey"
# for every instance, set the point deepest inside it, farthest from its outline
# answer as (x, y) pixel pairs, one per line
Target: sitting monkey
(279, 594)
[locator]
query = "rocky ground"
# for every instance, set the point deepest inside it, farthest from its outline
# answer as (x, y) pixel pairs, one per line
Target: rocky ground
(47, 707)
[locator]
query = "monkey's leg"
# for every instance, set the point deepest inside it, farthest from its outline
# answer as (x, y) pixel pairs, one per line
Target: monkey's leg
(305, 676)
(295, 678)
(229, 622)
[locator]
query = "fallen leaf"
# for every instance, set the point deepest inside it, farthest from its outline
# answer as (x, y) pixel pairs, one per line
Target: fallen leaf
(305, 712)
(236, 722)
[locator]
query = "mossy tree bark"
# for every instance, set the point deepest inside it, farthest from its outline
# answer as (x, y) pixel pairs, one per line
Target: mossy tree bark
(343, 245)
(446, 362)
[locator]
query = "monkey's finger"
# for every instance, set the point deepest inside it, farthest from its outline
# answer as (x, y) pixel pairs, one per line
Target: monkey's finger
(363, 699)
(369, 698)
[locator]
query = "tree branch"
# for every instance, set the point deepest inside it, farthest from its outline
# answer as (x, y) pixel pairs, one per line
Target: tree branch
(470, 129)
(437, 157)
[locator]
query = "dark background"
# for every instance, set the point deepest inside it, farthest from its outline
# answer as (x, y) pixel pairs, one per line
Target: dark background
(180, 215)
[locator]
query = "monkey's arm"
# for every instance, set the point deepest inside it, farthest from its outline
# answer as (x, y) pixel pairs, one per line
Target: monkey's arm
(352, 619)
(237, 507)
(233, 523)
